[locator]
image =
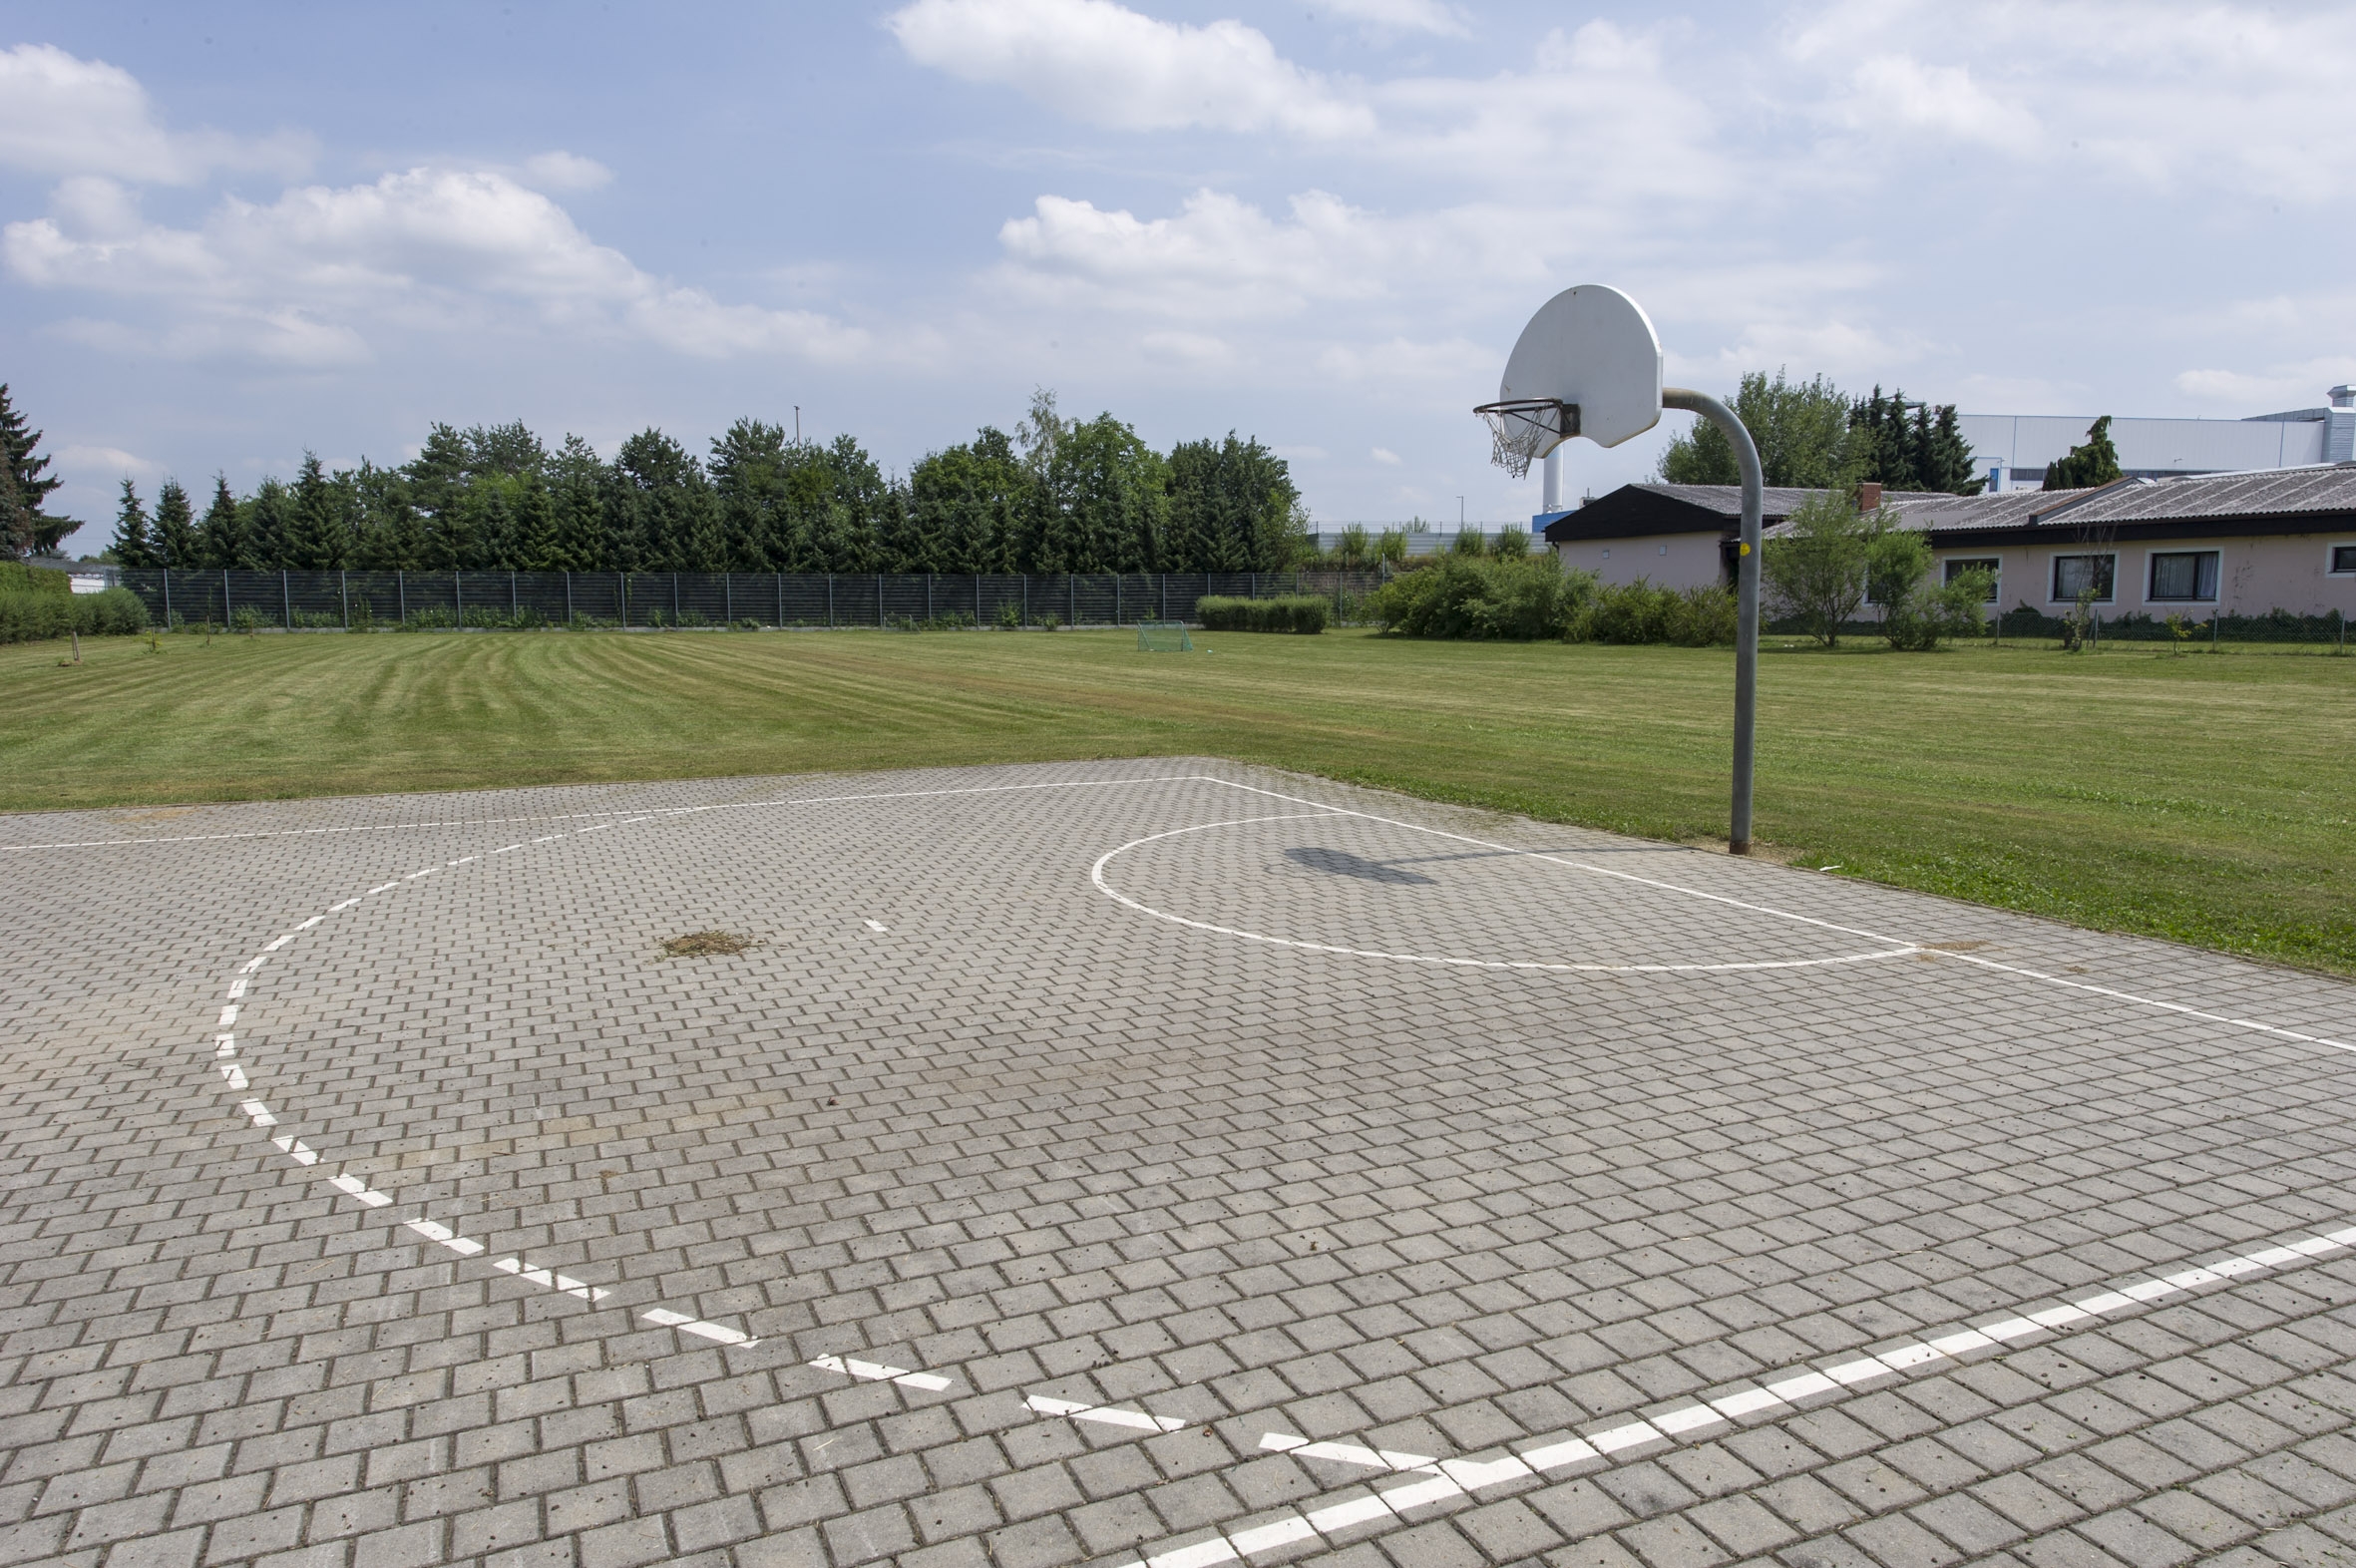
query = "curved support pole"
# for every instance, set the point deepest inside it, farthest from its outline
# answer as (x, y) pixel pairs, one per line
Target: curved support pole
(1747, 598)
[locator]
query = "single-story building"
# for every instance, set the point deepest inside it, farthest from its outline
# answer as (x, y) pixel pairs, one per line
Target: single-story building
(2237, 543)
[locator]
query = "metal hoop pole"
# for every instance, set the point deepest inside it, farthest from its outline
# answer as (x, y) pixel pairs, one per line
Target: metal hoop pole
(1746, 600)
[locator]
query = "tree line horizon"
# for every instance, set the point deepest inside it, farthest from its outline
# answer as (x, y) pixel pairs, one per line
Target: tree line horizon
(1058, 495)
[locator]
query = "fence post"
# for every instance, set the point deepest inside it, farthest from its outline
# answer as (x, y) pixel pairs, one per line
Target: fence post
(568, 598)
(978, 601)
(830, 601)
(1026, 598)
(457, 601)
(675, 598)
(168, 599)
(514, 605)
(401, 593)
(729, 597)
(343, 592)
(781, 601)
(1071, 599)
(622, 596)
(1116, 599)
(1255, 586)
(879, 602)
(927, 595)
(285, 600)
(1165, 596)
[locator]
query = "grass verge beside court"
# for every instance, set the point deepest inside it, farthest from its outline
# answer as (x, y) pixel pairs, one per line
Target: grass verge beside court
(2209, 800)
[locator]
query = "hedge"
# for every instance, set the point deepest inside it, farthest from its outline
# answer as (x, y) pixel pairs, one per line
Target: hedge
(18, 577)
(29, 615)
(1292, 613)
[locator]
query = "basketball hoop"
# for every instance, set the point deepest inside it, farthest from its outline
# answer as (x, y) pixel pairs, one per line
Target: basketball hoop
(1524, 429)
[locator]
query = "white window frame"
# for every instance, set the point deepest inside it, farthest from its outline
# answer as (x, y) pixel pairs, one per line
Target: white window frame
(2216, 575)
(1993, 564)
(2053, 576)
(2331, 556)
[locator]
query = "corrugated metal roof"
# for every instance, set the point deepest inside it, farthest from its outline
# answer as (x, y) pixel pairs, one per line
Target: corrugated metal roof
(2284, 492)
(2288, 492)
(1777, 501)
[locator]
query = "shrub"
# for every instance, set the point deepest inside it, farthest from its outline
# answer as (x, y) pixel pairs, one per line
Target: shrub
(1921, 613)
(1303, 612)
(1475, 597)
(28, 615)
(1695, 618)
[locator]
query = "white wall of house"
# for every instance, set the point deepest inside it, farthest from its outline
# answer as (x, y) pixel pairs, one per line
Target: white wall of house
(2305, 574)
(1674, 560)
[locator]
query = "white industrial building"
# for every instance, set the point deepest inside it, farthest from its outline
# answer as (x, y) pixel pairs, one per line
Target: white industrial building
(2013, 450)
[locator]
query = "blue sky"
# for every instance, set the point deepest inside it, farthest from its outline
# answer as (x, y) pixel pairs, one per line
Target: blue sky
(231, 233)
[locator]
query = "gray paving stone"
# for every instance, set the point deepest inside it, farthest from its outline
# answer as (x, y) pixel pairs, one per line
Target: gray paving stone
(1040, 1142)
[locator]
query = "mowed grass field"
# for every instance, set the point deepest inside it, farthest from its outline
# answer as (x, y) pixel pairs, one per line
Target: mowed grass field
(2211, 800)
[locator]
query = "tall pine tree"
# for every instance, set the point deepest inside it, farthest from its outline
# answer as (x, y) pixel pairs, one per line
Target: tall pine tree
(2095, 463)
(223, 529)
(135, 543)
(579, 482)
(316, 538)
(177, 545)
(30, 527)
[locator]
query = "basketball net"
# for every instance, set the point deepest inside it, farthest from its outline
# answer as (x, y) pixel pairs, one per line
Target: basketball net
(1524, 429)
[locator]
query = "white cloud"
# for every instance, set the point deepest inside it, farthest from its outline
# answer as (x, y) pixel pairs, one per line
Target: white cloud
(1386, 457)
(1899, 90)
(1400, 16)
(60, 115)
(1220, 256)
(2278, 387)
(106, 465)
(1109, 66)
(2169, 97)
(561, 171)
(305, 279)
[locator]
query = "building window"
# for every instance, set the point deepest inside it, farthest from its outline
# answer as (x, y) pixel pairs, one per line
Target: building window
(2343, 560)
(2178, 575)
(1988, 563)
(2073, 575)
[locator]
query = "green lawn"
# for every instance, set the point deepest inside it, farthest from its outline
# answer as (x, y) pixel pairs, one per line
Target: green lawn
(2203, 799)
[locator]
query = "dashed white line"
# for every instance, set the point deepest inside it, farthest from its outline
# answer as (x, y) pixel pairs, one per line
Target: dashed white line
(663, 1317)
(876, 1371)
(355, 1187)
(1136, 1420)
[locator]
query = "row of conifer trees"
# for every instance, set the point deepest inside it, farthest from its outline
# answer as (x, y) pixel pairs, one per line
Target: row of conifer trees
(1060, 495)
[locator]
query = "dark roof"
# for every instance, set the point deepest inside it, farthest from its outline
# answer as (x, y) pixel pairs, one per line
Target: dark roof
(2236, 503)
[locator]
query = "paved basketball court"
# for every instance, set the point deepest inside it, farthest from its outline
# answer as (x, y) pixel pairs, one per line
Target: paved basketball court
(1158, 1162)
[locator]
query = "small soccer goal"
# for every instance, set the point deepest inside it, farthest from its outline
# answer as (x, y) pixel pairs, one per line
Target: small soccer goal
(1163, 636)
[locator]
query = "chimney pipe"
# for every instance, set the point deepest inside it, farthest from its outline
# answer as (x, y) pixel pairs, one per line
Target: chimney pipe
(1868, 495)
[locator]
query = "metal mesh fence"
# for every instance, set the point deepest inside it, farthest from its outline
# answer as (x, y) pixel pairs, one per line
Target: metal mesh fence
(295, 600)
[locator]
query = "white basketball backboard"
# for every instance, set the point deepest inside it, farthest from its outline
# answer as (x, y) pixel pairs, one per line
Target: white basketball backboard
(1594, 347)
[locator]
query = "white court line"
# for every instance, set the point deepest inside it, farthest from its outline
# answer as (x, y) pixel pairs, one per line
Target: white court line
(1135, 1421)
(876, 1371)
(1096, 876)
(1443, 1479)
(640, 813)
(262, 1116)
(358, 1189)
(1811, 920)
